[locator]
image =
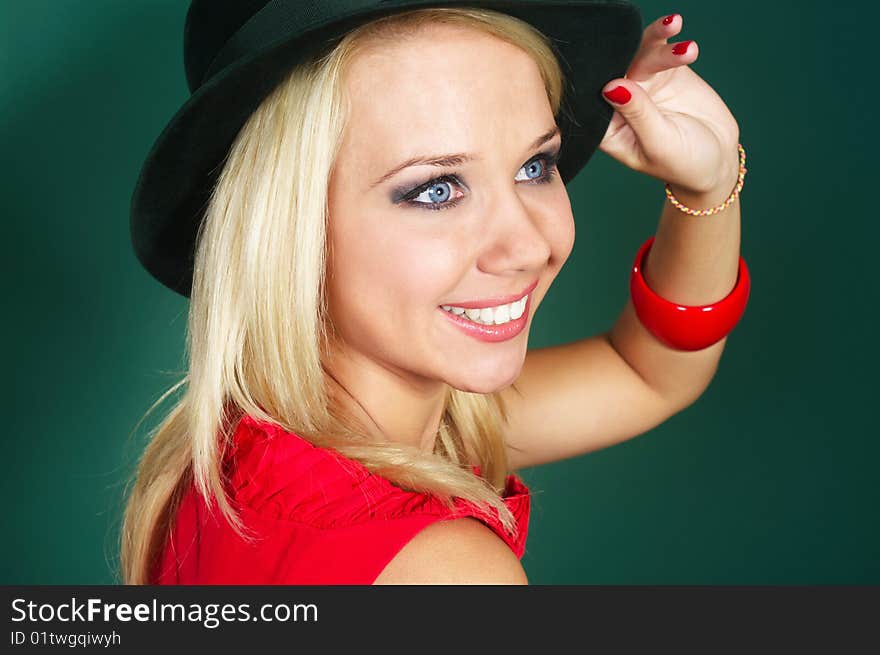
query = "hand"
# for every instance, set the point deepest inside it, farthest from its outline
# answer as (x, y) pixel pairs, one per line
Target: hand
(674, 127)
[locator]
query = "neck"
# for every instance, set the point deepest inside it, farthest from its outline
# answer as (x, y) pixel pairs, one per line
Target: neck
(390, 405)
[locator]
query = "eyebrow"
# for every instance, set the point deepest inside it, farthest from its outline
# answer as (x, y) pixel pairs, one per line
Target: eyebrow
(456, 159)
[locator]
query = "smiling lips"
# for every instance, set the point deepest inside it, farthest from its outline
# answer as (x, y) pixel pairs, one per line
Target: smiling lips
(494, 332)
(487, 322)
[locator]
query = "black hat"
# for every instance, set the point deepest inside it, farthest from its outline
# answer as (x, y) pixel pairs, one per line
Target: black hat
(237, 51)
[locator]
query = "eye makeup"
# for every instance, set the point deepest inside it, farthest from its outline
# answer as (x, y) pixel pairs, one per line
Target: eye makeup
(405, 195)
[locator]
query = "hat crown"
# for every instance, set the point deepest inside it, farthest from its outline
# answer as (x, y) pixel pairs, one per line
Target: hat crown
(209, 25)
(218, 32)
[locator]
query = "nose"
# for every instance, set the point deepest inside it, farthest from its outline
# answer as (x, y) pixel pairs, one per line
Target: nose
(515, 239)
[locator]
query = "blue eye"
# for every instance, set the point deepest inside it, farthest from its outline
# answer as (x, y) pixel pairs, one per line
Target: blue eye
(534, 169)
(433, 194)
(436, 193)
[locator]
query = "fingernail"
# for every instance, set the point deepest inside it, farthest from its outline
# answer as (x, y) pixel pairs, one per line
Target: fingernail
(618, 95)
(681, 48)
(669, 19)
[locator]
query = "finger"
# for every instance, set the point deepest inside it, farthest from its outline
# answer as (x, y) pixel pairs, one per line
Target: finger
(654, 34)
(650, 128)
(662, 57)
(661, 29)
(653, 38)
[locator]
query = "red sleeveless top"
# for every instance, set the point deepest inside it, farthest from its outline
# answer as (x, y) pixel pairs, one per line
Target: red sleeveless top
(321, 518)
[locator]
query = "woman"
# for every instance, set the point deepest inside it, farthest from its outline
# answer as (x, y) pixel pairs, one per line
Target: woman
(364, 268)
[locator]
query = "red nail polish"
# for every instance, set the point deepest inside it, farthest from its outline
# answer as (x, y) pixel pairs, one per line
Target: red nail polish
(618, 95)
(681, 48)
(669, 19)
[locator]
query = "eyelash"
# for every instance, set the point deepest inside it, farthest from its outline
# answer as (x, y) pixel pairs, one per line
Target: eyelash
(550, 160)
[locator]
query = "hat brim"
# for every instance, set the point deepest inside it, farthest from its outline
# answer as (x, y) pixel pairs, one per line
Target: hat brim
(595, 42)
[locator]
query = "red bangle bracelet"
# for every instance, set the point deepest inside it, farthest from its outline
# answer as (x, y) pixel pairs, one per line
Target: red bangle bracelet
(681, 327)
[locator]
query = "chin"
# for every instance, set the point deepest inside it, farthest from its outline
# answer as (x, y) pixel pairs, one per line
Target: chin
(484, 384)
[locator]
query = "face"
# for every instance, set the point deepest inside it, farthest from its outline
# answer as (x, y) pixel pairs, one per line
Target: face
(495, 221)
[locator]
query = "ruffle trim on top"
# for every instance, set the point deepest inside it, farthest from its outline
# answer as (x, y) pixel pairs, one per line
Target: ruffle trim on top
(281, 475)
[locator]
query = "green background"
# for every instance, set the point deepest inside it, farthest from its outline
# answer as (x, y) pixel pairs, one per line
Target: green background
(770, 478)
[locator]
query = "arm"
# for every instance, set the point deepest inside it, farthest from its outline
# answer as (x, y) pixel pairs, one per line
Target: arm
(693, 261)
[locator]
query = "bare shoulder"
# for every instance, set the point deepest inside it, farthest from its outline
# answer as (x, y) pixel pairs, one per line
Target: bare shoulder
(454, 551)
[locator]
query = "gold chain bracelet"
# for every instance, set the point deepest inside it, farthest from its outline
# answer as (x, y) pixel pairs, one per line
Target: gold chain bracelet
(723, 205)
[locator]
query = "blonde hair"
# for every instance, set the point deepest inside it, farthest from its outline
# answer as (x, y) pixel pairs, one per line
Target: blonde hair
(258, 321)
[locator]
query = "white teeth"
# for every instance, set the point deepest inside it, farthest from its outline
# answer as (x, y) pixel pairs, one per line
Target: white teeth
(492, 315)
(517, 308)
(502, 314)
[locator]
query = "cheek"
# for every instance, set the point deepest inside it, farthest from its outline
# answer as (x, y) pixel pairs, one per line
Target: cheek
(388, 267)
(412, 273)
